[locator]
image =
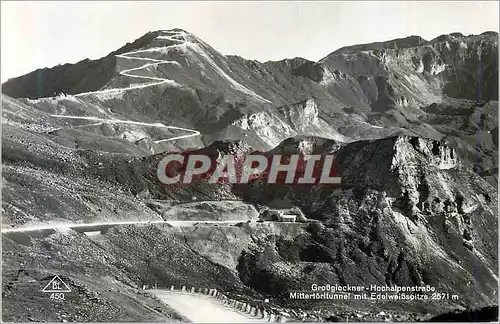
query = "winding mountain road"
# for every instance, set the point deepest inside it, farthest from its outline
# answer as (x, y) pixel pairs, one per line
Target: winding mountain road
(118, 121)
(129, 73)
(96, 226)
(199, 308)
(195, 308)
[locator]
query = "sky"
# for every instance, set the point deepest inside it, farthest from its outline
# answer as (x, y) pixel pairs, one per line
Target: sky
(44, 34)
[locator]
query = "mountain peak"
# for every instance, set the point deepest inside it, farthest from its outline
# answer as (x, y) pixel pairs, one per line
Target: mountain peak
(173, 30)
(160, 38)
(177, 34)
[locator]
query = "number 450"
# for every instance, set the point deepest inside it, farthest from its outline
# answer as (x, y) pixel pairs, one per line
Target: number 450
(57, 296)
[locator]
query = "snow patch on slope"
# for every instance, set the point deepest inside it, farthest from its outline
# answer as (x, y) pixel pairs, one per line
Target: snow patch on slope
(236, 85)
(328, 77)
(437, 68)
(331, 77)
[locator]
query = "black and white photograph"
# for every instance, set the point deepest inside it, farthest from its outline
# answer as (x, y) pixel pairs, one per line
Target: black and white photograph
(249, 161)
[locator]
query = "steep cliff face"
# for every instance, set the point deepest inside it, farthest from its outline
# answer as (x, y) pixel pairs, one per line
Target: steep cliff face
(407, 213)
(393, 79)
(298, 119)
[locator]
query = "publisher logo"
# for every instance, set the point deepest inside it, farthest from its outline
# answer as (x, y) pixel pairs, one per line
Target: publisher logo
(56, 285)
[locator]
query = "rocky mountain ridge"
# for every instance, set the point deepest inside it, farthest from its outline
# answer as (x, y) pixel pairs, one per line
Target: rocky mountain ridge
(412, 124)
(367, 91)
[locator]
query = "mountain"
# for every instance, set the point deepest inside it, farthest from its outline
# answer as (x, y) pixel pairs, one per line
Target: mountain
(354, 93)
(413, 126)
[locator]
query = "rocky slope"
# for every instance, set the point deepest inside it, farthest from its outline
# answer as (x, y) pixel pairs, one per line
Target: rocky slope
(408, 212)
(412, 123)
(366, 91)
